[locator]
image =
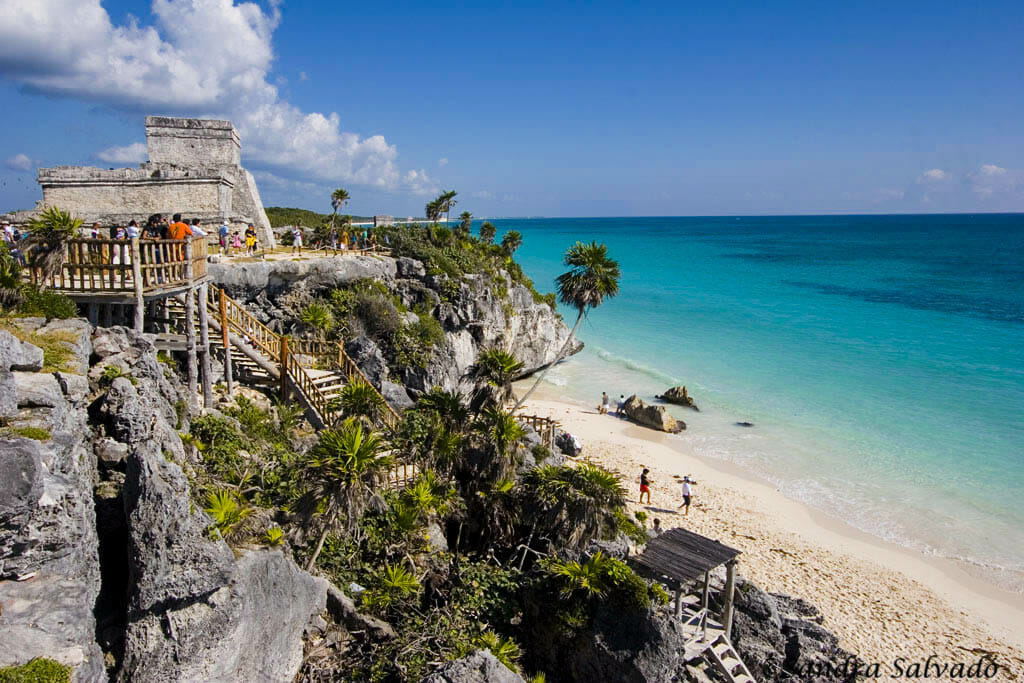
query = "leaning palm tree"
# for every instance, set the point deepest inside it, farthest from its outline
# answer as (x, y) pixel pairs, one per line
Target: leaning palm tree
(487, 232)
(512, 240)
(433, 210)
(492, 375)
(344, 468)
(446, 202)
(593, 278)
(46, 243)
(499, 434)
(338, 199)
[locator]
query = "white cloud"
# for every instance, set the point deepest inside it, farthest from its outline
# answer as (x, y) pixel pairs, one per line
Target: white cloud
(134, 153)
(994, 182)
(934, 175)
(303, 76)
(207, 57)
(443, 161)
(19, 162)
(483, 194)
(419, 183)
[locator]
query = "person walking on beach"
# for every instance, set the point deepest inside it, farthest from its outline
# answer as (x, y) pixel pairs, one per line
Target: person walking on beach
(645, 486)
(603, 408)
(687, 494)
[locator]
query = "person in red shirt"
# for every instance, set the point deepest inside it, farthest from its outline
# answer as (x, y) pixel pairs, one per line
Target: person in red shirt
(179, 230)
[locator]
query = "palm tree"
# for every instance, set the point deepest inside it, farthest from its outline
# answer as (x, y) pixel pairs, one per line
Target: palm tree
(499, 434)
(512, 240)
(433, 210)
(338, 199)
(593, 278)
(318, 317)
(487, 232)
(493, 374)
(344, 468)
(574, 505)
(46, 243)
(358, 398)
(446, 201)
(467, 222)
(448, 405)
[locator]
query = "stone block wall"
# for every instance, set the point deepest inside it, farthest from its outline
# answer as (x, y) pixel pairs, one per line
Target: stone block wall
(192, 142)
(91, 199)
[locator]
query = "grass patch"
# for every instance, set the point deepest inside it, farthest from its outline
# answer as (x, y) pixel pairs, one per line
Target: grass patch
(57, 356)
(29, 432)
(39, 670)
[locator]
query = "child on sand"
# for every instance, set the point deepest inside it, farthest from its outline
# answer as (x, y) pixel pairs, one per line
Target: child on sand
(645, 486)
(603, 408)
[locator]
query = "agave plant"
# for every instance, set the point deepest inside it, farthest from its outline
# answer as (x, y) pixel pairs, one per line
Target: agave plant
(46, 243)
(10, 279)
(447, 405)
(505, 650)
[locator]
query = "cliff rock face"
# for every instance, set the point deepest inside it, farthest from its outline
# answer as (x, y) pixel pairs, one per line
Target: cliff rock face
(478, 667)
(471, 314)
(49, 565)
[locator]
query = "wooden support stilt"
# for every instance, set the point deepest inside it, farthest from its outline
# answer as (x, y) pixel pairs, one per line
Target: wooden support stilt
(140, 310)
(284, 368)
(94, 314)
(679, 602)
(227, 342)
(204, 348)
(730, 588)
(190, 330)
(108, 315)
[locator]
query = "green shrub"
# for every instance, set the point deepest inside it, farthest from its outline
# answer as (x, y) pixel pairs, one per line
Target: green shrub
(39, 670)
(226, 512)
(57, 355)
(47, 303)
(112, 372)
(274, 536)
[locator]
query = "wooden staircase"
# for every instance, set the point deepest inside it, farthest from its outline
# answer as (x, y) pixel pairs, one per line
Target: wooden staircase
(315, 371)
(724, 657)
(707, 640)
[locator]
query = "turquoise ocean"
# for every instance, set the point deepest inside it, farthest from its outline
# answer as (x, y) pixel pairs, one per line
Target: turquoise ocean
(880, 358)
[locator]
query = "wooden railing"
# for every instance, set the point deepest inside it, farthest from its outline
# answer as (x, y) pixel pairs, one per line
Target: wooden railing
(544, 426)
(288, 354)
(113, 266)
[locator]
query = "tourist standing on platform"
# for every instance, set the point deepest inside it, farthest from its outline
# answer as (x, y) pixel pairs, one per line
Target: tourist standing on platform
(236, 242)
(197, 229)
(178, 230)
(250, 240)
(296, 239)
(222, 237)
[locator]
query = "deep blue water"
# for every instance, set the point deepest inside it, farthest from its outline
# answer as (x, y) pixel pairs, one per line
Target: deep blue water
(881, 359)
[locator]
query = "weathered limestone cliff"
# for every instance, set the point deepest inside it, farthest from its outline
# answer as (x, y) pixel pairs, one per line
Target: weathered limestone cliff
(474, 314)
(106, 563)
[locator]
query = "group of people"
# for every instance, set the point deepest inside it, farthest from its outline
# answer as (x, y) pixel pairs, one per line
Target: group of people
(12, 238)
(687, 490)
(605, 405)
(158, 227)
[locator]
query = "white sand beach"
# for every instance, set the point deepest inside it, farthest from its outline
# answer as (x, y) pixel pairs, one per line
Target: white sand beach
(883, 601)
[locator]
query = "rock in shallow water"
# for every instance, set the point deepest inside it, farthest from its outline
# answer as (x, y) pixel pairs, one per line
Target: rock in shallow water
(656, 417)
(678, 396)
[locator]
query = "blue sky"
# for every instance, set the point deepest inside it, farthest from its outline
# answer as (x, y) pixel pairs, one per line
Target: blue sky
(539, 109)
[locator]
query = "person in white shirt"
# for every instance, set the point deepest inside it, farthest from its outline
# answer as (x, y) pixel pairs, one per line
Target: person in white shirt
(687, 493)
(297, 240)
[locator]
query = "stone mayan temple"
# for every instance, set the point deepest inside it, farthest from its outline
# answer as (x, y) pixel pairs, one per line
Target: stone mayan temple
(194, 168)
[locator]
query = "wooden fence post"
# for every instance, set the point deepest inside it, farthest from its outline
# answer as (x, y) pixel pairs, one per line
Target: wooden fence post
(284, 368)
(226, 339)
(730, 589)
(140, 305)
(204, 347)
(190, 331)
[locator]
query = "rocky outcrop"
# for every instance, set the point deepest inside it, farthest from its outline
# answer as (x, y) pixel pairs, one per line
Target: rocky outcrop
(656, 417)
(781, 638)
(679, 397)
(49, 566)
(473, 316)
(478, 667)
